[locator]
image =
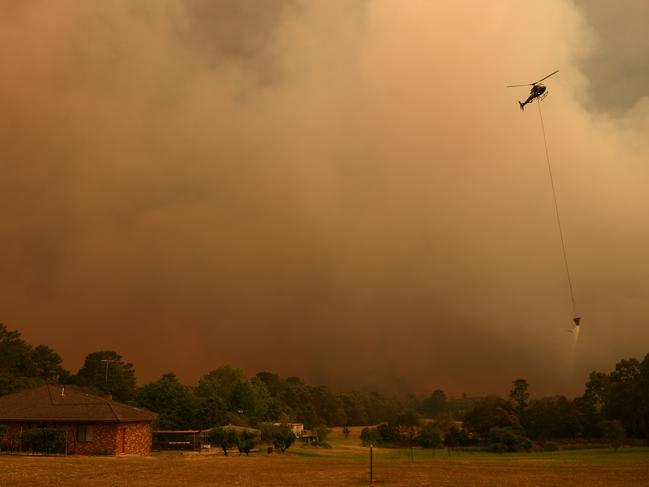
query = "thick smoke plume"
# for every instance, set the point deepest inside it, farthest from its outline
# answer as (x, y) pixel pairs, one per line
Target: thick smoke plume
(342, 191)
(616, 63)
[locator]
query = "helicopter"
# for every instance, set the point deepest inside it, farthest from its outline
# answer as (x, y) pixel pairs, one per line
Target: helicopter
(537, 91)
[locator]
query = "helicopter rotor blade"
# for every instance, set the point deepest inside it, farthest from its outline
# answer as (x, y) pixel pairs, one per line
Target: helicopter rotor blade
(551, 74)
(516, 86)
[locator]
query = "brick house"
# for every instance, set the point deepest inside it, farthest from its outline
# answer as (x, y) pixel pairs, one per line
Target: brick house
(94, 425)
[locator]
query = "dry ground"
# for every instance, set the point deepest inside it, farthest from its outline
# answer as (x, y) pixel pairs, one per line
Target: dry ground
(345, 464)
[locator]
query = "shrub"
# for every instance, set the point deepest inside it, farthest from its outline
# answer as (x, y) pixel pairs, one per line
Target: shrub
(371, 436)
(246, 441)
(549, 446)
(614, 433)
(389, 434)
(282, 438)
(223, 437)
(506, 440)
(430, 436)
(44, 440)
(321, 433)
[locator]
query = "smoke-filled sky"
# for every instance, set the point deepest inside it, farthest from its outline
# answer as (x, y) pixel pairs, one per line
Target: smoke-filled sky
(339, 190)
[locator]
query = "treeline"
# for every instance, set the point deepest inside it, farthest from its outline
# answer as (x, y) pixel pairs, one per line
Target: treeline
(224, 395)
(613, 404)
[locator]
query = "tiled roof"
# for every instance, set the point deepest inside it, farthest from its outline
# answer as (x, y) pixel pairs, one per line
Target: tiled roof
(55, 403)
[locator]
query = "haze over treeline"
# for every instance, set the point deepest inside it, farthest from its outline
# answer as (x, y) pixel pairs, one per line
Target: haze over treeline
(343, 191)
(611, 405)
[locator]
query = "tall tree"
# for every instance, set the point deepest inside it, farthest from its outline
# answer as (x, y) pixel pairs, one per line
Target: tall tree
(15, 354)
(433, 405)
(519, 395)
(174, 402)
(106, 371)
(47, 364)
(23, 367)
(222, 382)
(490, 412)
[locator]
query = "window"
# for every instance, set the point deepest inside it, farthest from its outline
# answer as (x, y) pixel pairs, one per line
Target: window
(84, 432)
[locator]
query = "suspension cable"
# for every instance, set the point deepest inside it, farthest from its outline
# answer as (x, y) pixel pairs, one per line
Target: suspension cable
(556, 209)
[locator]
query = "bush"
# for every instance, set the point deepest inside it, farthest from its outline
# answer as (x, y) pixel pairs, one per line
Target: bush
(371, 436)
(282, 438)
(389, 434)
(430, 436)
(246, 441)
(614, 433)
(549, 446)
(223, 437)
(506, 440)
(5, 442)
(44, 440)
(321, 433)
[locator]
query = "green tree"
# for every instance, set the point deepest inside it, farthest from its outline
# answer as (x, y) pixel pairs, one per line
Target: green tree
(623, 395)
(223, 382)
(371, 436)
(274, 383)
(212, 411)
(614, 433)
(452, 438)
(641, 398)
(15, 354)
(321, 432)
(430, 436)
(24, 367)
(47, 365)
(253, 400)
(490, 412)
(519, 395)
(504, 440)
(434, 405)
(282, 438)
(174, 402)
(406, 425)
(223, 437)
(246, 441)
(106, 371)
(354, 406)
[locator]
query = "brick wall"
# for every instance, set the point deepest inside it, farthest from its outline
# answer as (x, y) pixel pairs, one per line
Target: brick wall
(106, 438)
(138, 438)
(102, 443)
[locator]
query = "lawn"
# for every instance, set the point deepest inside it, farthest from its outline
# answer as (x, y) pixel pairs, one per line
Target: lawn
(344, 464)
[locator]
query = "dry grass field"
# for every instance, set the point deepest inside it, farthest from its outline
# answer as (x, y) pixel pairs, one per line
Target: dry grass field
(345, 464)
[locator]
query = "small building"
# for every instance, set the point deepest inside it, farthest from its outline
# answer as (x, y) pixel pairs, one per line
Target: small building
(179, 440)
(308, 437)
(93, 425)
(296, 428)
